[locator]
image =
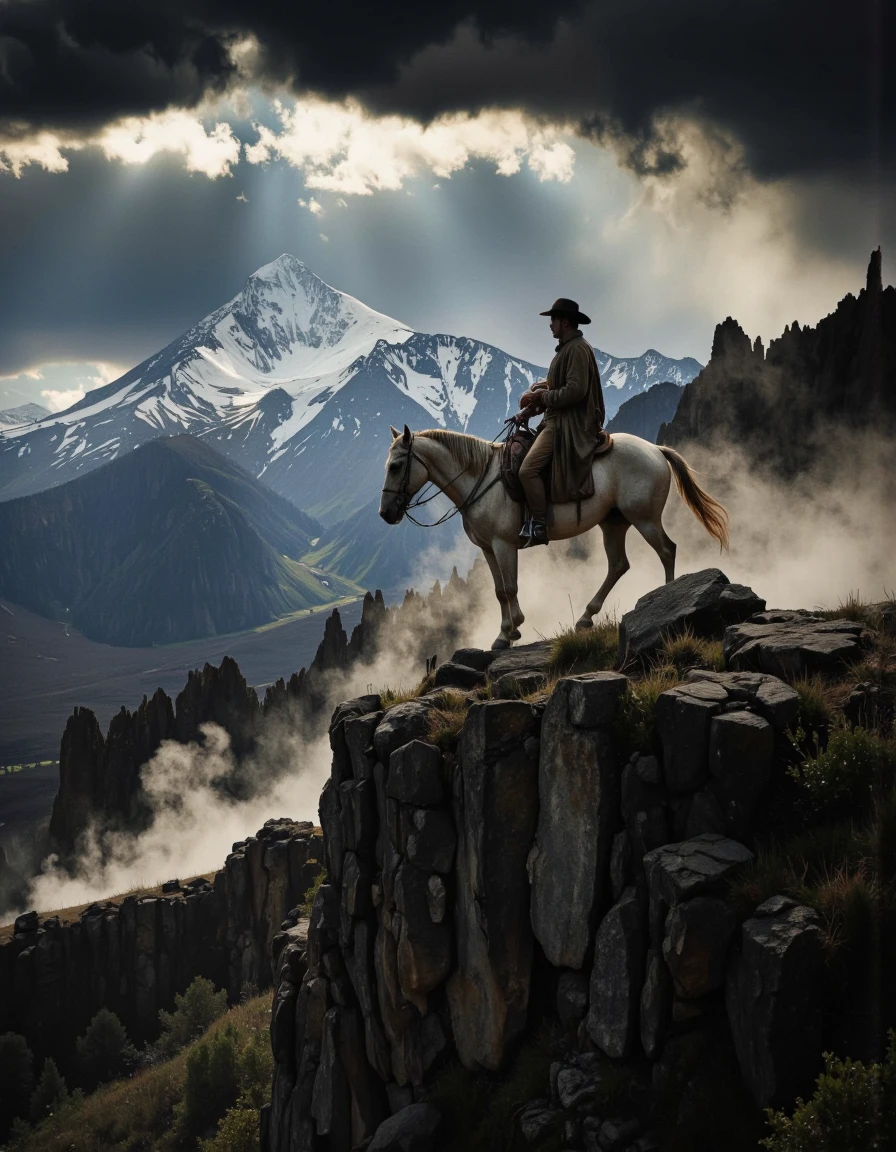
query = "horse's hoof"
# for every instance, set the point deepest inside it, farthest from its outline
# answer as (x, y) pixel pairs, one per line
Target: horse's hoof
(500, 644)
(584, 625)
(515, 634)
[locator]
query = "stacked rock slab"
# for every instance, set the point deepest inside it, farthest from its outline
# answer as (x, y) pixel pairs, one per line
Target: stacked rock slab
(449, 872)
(134, 956)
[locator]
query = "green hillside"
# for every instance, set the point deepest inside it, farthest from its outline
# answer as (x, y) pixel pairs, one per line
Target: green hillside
(170, 543)
(365, 549)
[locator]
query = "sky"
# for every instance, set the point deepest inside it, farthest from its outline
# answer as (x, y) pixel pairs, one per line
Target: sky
(458, 168)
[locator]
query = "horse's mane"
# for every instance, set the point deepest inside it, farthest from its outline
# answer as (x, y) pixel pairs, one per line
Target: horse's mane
(468, 451)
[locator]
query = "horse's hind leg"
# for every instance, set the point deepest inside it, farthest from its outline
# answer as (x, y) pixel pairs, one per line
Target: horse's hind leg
(503, 561)
(655, 535)
(617, 565)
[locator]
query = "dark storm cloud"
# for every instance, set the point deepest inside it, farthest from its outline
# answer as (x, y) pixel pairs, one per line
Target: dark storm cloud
(805, 86)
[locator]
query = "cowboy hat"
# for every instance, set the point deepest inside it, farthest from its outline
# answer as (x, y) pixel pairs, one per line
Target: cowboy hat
(569, 308)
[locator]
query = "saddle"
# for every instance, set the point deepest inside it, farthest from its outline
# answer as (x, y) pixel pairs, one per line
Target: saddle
(514, 452)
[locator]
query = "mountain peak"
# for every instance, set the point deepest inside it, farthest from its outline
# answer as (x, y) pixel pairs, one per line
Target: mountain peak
(285, 262)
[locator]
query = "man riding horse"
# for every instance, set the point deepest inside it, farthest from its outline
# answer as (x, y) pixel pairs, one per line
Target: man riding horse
(573, 406)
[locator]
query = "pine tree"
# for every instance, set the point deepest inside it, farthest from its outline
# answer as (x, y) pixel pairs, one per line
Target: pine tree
(51, 1092)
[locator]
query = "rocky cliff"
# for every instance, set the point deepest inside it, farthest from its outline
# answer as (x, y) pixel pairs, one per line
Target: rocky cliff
(99, 776)
(785, 404)
(132, 956)
(539, 867)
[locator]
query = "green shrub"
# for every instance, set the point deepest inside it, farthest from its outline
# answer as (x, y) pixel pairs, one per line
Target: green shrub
(103, 1051)
(254, 1067)
(50, 1095)
(845, 776)
(586, 649)
(193, 1012)
(237, 1132)
(853, 1108)
(308, 902)
(210, 1086)
(814, 714)
(16, 1076)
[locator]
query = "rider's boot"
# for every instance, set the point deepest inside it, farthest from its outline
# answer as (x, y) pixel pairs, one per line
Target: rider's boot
(538, 533)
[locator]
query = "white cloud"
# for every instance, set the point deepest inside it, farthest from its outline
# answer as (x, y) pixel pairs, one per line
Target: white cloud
(243, 198)
(136, 139)
(133, 140)
(339, 147)
(44, 149)
(58, 400)
(326, 239)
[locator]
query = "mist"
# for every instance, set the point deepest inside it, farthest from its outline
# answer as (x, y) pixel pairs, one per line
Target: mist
(804, 544)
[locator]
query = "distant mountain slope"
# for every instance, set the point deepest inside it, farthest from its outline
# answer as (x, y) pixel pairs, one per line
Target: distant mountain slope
(643, 414)
(170, 543)
(366, 550)
(784, 404)
(298, 383)
(23, 414)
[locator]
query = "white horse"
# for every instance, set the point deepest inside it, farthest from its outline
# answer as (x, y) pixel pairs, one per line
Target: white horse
(631, 483)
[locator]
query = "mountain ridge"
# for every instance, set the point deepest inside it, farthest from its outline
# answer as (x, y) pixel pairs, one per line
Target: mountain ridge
(262, 377)
(169, 543)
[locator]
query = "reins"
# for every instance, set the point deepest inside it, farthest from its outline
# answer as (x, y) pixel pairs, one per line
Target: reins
(477, 492)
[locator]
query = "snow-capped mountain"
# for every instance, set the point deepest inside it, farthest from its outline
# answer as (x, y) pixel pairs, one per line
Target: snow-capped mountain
(623, 377)
(24, 414)
(298, 383)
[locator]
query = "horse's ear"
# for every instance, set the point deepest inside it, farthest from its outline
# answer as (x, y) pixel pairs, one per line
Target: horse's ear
(406, 437)
(395, 432)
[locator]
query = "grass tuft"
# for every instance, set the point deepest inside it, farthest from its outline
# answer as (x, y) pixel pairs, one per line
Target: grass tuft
(852, 608)
(635, 725)
(585, 650)
(815, 705)
(447, 718)
(685, 650)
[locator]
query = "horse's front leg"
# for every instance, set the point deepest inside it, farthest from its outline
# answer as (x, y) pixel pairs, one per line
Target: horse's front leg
(502, 560)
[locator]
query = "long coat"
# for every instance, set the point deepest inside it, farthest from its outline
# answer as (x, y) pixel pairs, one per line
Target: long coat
(574, 404)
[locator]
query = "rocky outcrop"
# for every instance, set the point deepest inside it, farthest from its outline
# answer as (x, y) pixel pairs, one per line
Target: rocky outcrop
(702, 602)
(100, 775)
(773, 996)
(577, 816)
(782, 405)
(133, 956)
(793, 644)
(528, 869)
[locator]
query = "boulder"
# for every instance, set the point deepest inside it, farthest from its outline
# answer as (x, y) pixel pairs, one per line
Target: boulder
(359, 732)
(478, 658)
(618, 976)
(774, 998)
(451, 675)
(431, 840)
(400, 725)
(593, 698)
(415, 774)
(496, 806)
(523, 658)
(513, 685)
(695, 947)
(413, 1129)
(792, 644)
(578, 802)
(678, 872)
(537, 1120)
(703, 601)
(741, 752)
(768, 696)
(656, 998)
(683, 715)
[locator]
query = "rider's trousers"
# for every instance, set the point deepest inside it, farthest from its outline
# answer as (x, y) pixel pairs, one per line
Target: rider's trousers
(538, 456)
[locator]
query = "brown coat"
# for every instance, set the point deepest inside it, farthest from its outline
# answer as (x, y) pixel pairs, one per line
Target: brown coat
(574, 404)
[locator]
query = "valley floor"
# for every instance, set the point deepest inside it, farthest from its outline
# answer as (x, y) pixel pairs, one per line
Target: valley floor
(48, 668)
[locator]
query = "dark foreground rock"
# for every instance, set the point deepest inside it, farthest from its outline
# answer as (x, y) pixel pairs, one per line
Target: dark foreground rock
(792, 644)
(705, 602)
(413, 1129)
(774, 997)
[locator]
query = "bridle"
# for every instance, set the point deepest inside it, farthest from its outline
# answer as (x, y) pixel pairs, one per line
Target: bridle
(406, 501)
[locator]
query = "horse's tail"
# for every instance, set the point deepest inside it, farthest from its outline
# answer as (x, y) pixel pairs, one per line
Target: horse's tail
(708, 511)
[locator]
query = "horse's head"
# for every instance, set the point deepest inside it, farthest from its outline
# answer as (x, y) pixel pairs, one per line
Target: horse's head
(405, 476)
